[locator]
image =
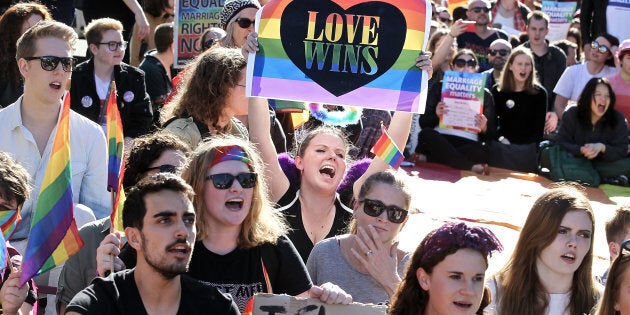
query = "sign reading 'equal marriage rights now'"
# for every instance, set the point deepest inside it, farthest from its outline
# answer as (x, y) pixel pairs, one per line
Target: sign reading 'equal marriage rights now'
(345, 52)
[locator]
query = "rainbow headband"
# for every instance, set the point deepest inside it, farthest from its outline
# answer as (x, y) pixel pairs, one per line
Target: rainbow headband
(229, 153)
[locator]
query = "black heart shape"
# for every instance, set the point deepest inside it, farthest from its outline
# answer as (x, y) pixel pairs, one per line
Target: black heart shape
(370, 52)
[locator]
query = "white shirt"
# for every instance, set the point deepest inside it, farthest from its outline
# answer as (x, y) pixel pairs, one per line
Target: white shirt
(88, 156)
(557, 302)
(574, 79)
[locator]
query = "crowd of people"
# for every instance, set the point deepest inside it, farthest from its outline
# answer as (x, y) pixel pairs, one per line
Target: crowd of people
(214, 215)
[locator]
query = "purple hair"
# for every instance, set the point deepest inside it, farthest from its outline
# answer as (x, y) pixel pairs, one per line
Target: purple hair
(453, 236)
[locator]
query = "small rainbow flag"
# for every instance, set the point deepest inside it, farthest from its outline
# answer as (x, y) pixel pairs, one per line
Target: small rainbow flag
(54, 236)
(387, 150)
(115, 163)
(9, 219)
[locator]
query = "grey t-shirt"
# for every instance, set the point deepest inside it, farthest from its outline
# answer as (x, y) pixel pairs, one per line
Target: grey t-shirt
(327, 264)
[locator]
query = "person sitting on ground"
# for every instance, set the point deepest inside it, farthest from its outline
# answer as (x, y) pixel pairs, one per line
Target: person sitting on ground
(595, 131)
(367, 262)
(615, 299)
(161, 229)
(461, 149)
(447, 271)
(549, 271)
(617, 231)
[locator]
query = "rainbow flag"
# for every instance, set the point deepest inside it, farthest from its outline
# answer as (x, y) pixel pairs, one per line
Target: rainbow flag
(9, 220)
(387, 150)
(295, 41)
(54, 235)
(115, 163)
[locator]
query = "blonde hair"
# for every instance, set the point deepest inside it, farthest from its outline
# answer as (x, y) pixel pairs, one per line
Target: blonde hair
(26, 43)
(263, 224)
(94, 31)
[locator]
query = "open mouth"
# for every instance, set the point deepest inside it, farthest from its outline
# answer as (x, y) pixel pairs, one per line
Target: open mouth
(327, 170)
(180, 249)
(463, 305)
(235, 204)
(55, 85)
(601, 107)
(570, 258)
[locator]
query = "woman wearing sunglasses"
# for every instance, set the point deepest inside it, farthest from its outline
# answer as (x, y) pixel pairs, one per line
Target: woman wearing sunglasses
(550, 270)
(241, 243)
(446, 273)
(367, 262)
(616, 297)
(237, 19)
(460, 149)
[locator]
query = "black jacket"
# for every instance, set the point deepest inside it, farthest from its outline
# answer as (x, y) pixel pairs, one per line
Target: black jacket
(592, 19)
(133, 101)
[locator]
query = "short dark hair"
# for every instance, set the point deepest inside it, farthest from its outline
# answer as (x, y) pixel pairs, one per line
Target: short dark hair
(163, 37)
(614, 41)
(135, 207)
(538, 15)
(13, 180)
(565, 44)
(617, 226)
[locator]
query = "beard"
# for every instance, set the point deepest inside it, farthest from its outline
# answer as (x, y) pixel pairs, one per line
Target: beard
(168, 271)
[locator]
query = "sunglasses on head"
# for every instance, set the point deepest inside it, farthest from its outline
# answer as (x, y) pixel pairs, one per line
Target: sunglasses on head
(601, 48)
(374, 208)
(479, 9)
(501, 52)
(225, 180)
(460, 63)
(164, 168)
(244, 22)
(113, 46)
(50, 63)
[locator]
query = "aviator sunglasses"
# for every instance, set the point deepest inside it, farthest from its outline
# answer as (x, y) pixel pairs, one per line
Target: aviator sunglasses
(374, 208)
(461, 63)
(225, 180)
(50, 63)
(244, 22)
(601, 48)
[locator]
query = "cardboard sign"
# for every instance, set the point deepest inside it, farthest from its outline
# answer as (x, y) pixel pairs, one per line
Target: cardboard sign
(344, 52)
(462, 93)
(192, 18)
(270, 304)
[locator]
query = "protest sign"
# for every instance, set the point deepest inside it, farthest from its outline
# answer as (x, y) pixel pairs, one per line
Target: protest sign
(462, 93)
(343, 52)
(192, 17)
(560, 17)
(270, 304)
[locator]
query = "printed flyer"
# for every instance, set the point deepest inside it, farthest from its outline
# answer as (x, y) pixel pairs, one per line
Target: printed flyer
(462, 93)
(560, 17)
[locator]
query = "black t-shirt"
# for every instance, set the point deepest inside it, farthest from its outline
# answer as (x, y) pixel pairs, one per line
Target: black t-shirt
(118, 294)
(290, 206)
(521, 115)
(480, 46)
(240, 273)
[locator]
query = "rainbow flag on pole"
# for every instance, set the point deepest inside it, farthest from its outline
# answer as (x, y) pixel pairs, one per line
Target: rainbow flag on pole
(54, 236)
(115, 163)
(387, 150)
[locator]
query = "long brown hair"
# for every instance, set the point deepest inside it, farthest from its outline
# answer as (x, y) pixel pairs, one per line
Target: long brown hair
(507, 82)
(520, 289)
(613, 285)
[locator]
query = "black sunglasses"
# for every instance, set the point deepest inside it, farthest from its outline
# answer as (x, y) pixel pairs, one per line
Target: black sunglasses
(164, 168)
(244, 22)
(601, 48)
(49, 63)
(460, 63)
(225, 180)
(479, 9)
(501, 52)
(445, 20)
(113, 46)
(374, 208)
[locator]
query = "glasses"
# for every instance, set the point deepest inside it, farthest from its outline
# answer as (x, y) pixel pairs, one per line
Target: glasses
(113, 46)
(501, 52)
(50, 63)
(460, 63)
(445, 20)
(374, 208)
(244, 22)
(164, 168)
(225, 180)
(479, 9)
(601, 48)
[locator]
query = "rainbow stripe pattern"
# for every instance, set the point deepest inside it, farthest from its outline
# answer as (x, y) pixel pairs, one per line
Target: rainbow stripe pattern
(54, 236)
(115, 162)
(401, 88)
(387, 150)
(9, 219)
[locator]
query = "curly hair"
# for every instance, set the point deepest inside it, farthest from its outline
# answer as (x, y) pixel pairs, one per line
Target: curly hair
(11, 25)
(206, 86)
(144, 151)
(263, 224)
(13, 180)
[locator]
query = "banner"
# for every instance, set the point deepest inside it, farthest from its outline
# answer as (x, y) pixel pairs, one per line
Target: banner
(192, 18)
(560, 17)
(462, 93)
(343, 52)
(270, 304)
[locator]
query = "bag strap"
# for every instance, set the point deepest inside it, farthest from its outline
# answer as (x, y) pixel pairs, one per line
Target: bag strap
(268, 254)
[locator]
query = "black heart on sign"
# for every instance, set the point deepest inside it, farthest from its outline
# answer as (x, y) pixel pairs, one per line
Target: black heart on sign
(342, 56)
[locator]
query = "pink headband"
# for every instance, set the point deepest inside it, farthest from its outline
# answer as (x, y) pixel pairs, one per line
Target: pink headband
(229, 153)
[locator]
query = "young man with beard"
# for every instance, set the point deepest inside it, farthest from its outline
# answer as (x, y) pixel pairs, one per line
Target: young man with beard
(159, 223)
(549, 61)
(498, 54)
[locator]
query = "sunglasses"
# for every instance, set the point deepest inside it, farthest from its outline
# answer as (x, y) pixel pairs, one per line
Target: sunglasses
(501, 52)
(374, 208)
(113, 46)
(445, 20)
(601, 48)
(164, 168)
(460, 63)
(50, 63)
(225, 180)
(479, 9)
(244, 22)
